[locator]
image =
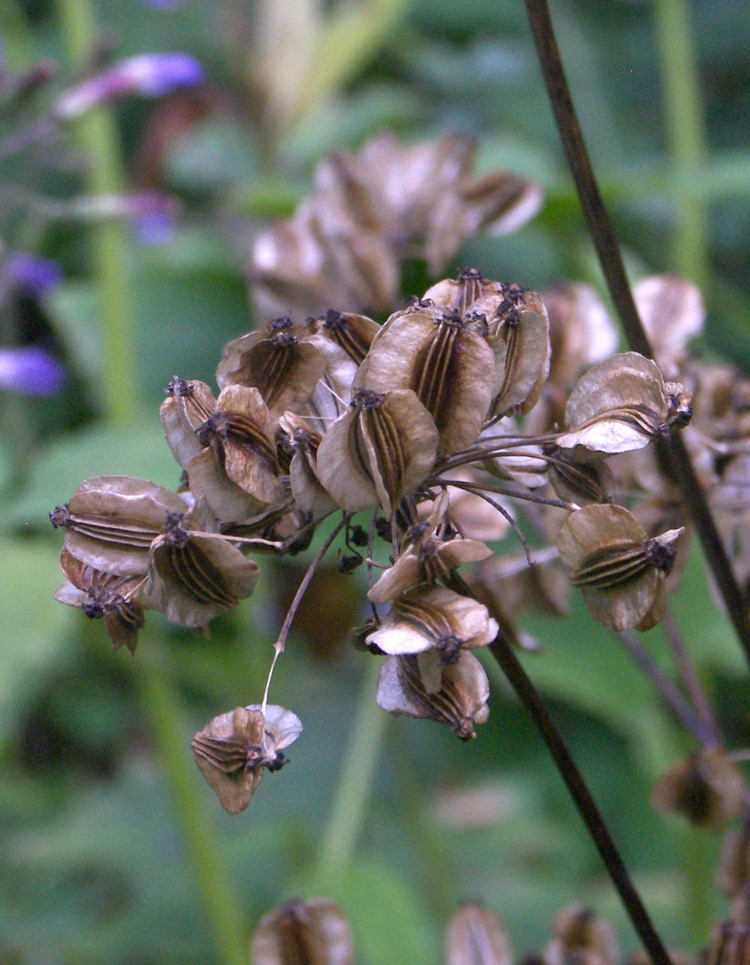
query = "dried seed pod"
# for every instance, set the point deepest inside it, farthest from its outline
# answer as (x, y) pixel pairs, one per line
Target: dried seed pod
(280, 361)
(578, 482)
(519, 337)
(618, 569)
(192, 577)
(475, 937)
(422, 686)
(581, 332)
(427, 558)
(116, 599)
(313, 932)
(578, 930)
(707, 789)
(189, 404)
(378, 451)
(233, 749)
(619, 405)
(445, 359)
(436, 618)
(307, 489)
(672, 312)
(459, 294)
(111, 522)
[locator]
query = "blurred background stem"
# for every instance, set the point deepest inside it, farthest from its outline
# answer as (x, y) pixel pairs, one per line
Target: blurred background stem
(109, 240)
(684, 122)
(168, 728)
(356, 777)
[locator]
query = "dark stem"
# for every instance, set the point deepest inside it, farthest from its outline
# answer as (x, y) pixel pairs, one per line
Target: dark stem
(691, 682)
(582, 798)
(614, 272)
(577, 787)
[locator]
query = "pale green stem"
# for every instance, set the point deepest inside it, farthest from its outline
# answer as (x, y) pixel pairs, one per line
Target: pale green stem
(354, 785)
(109, 241)
(168, 730)
(684, 110)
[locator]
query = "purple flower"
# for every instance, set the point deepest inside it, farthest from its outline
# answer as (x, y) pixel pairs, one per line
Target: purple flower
(150, 75)
(34, 276)
(32, 371)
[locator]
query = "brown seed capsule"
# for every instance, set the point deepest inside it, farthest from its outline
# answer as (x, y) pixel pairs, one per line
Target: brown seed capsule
(579, 931)
(280, 361)
(422, 686)
(378, 451)
(620, 572)
(519, 337)
(475, 937)
(707, 789)
(192, 577)
(434, 618)
(233, 749)
(116, 599)
(619, 405)
(111, 521)
(313, 932)
(426, 558)
(445, 359)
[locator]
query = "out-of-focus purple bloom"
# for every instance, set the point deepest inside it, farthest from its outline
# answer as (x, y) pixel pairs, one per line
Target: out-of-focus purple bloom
(151, 75)
(34, 276)
(32, 371)
(161, 4)
(155, 228)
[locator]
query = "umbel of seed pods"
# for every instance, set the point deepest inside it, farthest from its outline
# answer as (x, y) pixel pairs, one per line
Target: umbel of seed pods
(418, 422)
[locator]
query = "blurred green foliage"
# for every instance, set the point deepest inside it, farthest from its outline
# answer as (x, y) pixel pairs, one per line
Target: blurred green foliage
(95, 864)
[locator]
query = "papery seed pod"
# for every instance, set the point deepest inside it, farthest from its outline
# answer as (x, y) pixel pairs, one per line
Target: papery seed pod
(111, 522)
(707, 789)
(312, 932)
(672, 312)
(116, 599)
(427, 558)
(578, 930)
(619, 405)
(475, 937)
(733, 873)
(308, 491)
(351, 332)
(436, 618)
(578, 482)
(581, 332)
(279, 361)
(519, 338)
(378, 451)
(445, 360)
(193, 577)
(189, 404)
(234, 748)
(459, 294)
(422, 686)
(619, 571)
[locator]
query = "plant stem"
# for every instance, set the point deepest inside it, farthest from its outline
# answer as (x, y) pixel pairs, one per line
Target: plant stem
(584, 802)
(167, 728)
(684, 113)
(98, 135)
(355, 781)
(608, 250)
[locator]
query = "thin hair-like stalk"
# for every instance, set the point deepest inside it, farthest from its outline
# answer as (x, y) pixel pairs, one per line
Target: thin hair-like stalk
(673, 452)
